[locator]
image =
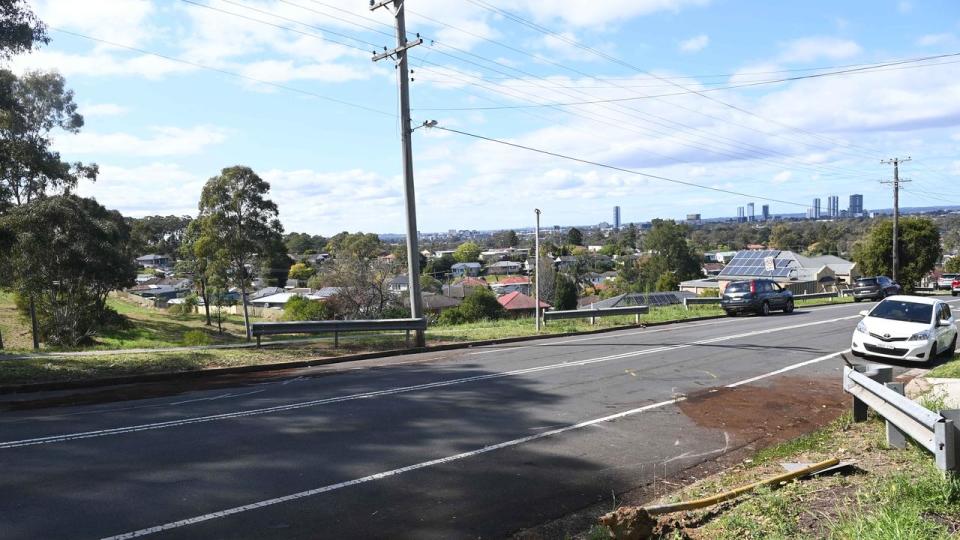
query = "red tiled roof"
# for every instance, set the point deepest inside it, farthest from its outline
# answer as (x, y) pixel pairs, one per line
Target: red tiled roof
(517, 300)
(472, 282)
(512, 280)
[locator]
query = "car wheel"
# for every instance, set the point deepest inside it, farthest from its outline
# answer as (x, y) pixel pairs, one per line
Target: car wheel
(789, 307)
(953, 293)
(731, 314)
(857, 299)
(952, 349)
(764, 309)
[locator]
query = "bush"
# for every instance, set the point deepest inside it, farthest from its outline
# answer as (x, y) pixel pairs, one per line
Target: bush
(480, 305)
(299, 308)
(709, 293)
(196, 337)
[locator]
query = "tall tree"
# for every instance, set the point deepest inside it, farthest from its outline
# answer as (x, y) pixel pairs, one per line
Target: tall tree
(566, 293)
(33, 106)
(20, 29)
(667, 240)
(361, 245)
(467, 252)
(239, 222)
(66, 253)
(195, 261)
(574, 237)
(919, 250)
(158, 234)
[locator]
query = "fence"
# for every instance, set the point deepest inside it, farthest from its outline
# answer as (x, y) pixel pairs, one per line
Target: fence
(336, 327)
(715, 301)
(592, 314)
(936, 431)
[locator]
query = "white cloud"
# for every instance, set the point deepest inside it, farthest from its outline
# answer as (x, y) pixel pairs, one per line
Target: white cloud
(594, 13)
(813, 48)
(286, 70)
(156, 188)
(931, 40)
(164, 141)
(102, 109)
(98, 64)
(695, 44)
(904, 7)
(122, 21)
(782, 176)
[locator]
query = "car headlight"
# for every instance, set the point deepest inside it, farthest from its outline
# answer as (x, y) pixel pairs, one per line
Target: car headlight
(921, 336)
(862, 328)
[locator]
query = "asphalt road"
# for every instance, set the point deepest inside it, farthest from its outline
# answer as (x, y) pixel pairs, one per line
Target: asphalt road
(462, 444)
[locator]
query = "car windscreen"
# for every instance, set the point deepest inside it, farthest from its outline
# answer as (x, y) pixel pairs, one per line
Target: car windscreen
(743, 286)
(867, 282)
(899, 310)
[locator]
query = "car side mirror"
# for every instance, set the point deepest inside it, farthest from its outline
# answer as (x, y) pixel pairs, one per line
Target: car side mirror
(942, 322)
(864, 313)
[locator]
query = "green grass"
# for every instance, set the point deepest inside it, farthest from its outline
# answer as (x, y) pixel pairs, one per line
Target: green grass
(949, 370)
(899, 495)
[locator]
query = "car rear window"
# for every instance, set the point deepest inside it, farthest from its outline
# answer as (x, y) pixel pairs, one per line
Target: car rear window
(743, 286)
(898, 310)
(866, 282)
(949, 276)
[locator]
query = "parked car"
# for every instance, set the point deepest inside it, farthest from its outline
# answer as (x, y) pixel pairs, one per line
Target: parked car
(955, 287)
(756, 296)
(946, 281)
(906, 328)
(875, 288)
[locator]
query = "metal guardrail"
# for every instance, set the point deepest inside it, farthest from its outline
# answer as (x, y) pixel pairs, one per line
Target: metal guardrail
(594, 313)
(336, 327)
(713, 301)
(935, 431)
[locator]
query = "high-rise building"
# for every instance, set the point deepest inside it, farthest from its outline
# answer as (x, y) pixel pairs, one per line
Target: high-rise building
(616, 218)
(765, 212)
(740, 218)
(856, 205)
(693, 219)
(750, 214)
(833, 206)
(816, 208)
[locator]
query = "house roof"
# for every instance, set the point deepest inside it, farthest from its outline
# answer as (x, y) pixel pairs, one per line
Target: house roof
(266, 291)
(470, 281)
(435, 301)
(466, 265)
(152, 257)
(514, 280)
(398, 280)
(517, 300)
(282, 298)
(505, 264)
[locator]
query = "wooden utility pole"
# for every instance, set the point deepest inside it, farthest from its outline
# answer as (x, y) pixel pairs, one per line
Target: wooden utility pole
(399, 55)
(536, 270)
(896, 209)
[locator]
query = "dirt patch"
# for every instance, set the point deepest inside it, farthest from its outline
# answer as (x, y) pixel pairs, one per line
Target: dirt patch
(782, 410)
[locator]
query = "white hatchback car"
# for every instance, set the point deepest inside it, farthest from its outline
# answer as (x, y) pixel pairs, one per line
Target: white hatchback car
(905, 327)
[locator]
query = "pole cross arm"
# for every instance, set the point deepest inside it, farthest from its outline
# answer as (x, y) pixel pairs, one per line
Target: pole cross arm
(390, 53)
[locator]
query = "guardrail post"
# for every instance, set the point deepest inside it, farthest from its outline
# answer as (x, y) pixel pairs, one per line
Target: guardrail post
(952, 453)
(637, 318)
(860, 409)
(944, 440)
(336, 339)
(258, 341)
(593, 320)
(408, 339)
(881, 374)
(685, 305)
(895, 437)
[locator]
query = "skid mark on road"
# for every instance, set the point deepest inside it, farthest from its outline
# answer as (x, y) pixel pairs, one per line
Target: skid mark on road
(400, 390)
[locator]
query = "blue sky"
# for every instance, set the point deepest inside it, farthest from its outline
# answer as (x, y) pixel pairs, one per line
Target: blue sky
(160, 128)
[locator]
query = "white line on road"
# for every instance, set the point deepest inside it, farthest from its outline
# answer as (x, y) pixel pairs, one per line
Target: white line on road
(392, 391)
(431, 463)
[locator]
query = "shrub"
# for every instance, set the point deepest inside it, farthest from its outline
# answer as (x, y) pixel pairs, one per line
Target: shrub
(299, 308)
(196, 337)
(709, 293)
(451, 317)
(480, 305)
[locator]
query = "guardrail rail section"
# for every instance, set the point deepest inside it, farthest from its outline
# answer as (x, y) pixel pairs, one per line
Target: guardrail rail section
(336, 327)
(872, 387)
(592, 314)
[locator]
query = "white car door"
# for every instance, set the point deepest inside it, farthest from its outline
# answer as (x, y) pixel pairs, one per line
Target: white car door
(945, 334)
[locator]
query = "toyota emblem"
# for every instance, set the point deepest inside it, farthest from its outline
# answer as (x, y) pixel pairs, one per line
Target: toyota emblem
(886, 335)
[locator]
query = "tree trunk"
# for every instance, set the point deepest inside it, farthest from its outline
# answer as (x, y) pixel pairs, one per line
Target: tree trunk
(1, 340)
(33, 325)
(206, 301)
(246, 316)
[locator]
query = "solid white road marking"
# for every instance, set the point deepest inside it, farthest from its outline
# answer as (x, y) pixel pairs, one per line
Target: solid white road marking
(434, 462)
(391, 391)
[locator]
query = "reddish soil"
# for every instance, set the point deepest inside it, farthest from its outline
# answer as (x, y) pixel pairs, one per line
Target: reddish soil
(765, 415)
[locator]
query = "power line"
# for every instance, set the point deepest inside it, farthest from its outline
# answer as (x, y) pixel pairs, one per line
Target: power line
(223, 71)
(863, 70)
(613, 59)
(614, 167)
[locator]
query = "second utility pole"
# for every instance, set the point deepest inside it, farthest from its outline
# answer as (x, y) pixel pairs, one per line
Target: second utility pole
(536, 270)
(896, 210)
(399, 54)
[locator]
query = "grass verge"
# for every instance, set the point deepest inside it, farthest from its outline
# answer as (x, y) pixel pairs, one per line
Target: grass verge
(893, 494)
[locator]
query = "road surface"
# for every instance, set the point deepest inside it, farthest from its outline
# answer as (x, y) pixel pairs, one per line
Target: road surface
(475, 443)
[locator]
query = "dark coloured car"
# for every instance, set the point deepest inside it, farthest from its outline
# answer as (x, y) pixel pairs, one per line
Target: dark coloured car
(875, 288)
(759, 296)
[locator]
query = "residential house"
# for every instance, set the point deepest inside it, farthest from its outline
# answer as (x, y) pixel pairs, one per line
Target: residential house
(712, 268)
(279, 300)
(565, 263)
(464, 287)
(435, 303)
(154, 261)
(398, 284)
(518, 304)
(511, 284)
(465, 269)
(504, 267)
(798, 273)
